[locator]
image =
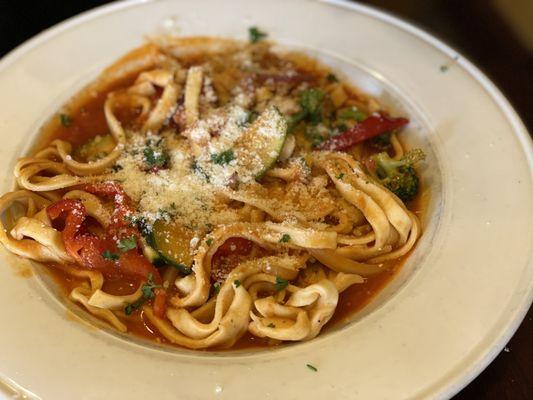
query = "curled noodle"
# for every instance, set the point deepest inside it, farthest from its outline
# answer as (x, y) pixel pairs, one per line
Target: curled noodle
(310, 226)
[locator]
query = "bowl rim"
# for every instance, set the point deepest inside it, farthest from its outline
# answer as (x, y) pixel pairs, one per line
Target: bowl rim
(451, 384)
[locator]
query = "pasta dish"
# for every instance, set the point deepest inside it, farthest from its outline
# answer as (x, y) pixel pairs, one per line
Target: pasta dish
(213, 193)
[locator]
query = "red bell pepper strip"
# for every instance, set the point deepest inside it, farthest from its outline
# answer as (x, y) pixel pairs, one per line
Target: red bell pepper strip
(134, 264)
(83, 246)
(372, 126)
(87, 249)
(122, 202)
(160, 302)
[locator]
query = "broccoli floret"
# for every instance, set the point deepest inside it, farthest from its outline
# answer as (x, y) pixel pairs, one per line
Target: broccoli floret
(399, 176)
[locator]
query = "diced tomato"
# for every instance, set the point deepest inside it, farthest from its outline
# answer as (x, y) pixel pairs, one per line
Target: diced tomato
(372, 126)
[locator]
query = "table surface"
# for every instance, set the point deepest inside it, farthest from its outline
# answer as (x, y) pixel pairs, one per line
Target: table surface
(473, 28)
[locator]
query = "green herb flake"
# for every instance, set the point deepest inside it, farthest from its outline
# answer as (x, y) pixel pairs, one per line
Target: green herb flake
(155, 158)
(311, 103)
(209, 241)
(340, 176)
(110, 256)
(255, 34)
(280, 284)
(285, 238)
(443, 68)
(128, 309)
(147, 292)
(331, 78)
(65, 119)
(126, 244)
(352, 113)
(216, 288)
(133, 306)
(311, 367)
(237, 283)
(148, 288)
(223, 158)
(198, 170)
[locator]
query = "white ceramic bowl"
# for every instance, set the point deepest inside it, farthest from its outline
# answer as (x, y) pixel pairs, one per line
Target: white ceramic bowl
(452, 308)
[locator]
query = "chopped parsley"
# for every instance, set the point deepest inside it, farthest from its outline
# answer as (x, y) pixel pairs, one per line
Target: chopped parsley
(216, 288)
(311, 108)
(311, 367)
(209, 241)
(340, 176)
(331, 78)
(285, 238)
(280, 284)
(352, 113)
(198, 170)
(155, 158)
(65, 119)
(223, 158)
(127, 243)
(311, 103)
(133, 306)
(237, 283)
(147, 293)
(110, 256)
(255, 34)
(148, 288)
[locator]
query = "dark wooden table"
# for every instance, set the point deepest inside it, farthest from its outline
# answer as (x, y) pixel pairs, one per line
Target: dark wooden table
(471, 26)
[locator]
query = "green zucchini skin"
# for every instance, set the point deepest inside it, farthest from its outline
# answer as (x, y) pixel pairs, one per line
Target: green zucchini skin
(161, 258)
(268, 147)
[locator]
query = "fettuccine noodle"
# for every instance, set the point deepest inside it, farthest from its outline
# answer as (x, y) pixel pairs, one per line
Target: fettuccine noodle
(218, 197)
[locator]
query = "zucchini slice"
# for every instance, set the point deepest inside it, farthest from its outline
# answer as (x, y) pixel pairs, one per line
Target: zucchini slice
(262, 142)
(151, 254)
(173, 242)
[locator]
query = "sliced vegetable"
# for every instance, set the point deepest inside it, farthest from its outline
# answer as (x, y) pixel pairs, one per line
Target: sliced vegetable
(370, 127)
(173, 242)
(262, 141)
(151, 254)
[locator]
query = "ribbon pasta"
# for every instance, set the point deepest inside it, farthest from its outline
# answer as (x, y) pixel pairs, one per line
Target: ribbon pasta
(315, 224)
